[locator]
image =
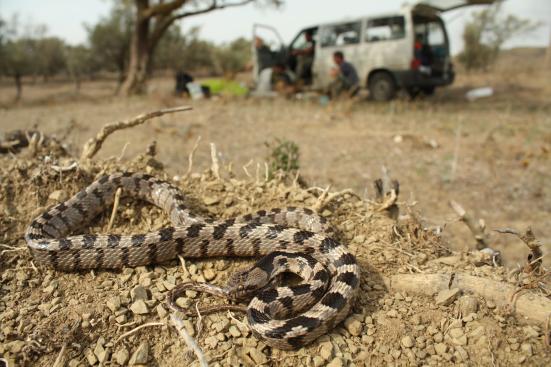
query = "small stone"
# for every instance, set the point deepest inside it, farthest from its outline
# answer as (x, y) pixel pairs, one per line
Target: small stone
(90, 357)
(369, 320)
(447, 296)
(209, 274)
(257, 356)
(234, 331)
(138, 293)
(141, 355)
(440, 348)
(392, 313)
(353, 326)
(139, 307)
(490, 304)
(456, 333)
(326, 350)
(161, 311)
(16, 346)
(527, 348)
(318, 361)
(467, 305)
(531, 332)
(113, 303)
(183, 302)
(191, 293)
(210, 200)
(336, 362)
(58, 196)
(121, 356)
(74, 363)
(407, 341)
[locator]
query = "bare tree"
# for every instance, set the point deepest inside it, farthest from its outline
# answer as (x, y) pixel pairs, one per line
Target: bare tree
(152, 19)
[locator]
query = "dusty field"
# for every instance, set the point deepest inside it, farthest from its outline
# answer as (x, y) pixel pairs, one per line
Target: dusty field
(492, 156)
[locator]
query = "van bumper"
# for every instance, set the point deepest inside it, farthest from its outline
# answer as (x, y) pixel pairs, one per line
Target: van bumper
(414, 78)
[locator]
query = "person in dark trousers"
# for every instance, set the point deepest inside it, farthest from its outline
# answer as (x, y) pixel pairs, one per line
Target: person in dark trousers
(345, 77)
(305, 59)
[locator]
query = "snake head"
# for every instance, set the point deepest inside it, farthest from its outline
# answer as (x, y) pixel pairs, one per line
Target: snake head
(244, 284)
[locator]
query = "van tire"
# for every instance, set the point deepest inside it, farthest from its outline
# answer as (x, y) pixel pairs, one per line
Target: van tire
(382, 86)
(428, 91)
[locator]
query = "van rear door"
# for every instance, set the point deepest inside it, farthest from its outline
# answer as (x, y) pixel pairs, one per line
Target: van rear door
(447, 5)
(268, 48)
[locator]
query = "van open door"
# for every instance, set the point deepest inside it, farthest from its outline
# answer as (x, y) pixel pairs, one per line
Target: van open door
(268, 48)
(447, 5)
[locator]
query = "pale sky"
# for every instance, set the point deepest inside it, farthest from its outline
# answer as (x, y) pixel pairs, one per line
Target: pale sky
(65, 18)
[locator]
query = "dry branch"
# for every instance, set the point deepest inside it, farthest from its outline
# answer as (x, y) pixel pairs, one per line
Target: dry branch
(478, 229)
(190, 342)
(528, 305)
(215, 166)
(536, 255)
(93, 145)
(386, 194)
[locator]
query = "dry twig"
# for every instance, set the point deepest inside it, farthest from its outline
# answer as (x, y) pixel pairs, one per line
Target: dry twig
(478, 229)
(93, 145)
(215, 166)
(528, 305)
(386, 194)
(115, 207)
(190, 342)
(536, 255)
(191, 154)
(128, 333)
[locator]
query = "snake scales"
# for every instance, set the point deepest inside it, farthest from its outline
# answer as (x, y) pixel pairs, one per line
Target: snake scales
(286, 240)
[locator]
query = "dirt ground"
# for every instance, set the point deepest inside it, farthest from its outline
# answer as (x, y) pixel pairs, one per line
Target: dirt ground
(490, 155)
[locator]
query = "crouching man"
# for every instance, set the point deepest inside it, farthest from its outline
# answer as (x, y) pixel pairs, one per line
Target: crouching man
(345, 78)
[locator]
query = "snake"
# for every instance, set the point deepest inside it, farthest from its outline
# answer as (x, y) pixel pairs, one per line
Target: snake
(292, 239)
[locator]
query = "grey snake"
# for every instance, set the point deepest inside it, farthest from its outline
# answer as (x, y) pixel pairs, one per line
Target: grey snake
(286, 316)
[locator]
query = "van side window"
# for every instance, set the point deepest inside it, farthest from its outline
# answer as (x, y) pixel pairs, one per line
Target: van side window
(382, 29)
(341, 34)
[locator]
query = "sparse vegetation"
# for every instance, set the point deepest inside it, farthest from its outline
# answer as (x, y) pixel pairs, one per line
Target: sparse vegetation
(485, 34)
(284, 156)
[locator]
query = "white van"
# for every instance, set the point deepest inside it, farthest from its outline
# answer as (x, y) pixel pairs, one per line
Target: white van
(406, 50)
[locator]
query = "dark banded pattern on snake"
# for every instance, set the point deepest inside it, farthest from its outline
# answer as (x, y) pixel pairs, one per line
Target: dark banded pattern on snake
(289, 231)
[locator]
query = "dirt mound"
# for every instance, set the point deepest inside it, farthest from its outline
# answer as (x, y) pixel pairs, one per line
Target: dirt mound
(81, 318)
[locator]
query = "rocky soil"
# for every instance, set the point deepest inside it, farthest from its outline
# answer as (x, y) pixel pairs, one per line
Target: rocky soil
(81, 319)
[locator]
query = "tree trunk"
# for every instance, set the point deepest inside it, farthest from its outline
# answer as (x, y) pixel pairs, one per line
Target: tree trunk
(19, 86)
(135, 82)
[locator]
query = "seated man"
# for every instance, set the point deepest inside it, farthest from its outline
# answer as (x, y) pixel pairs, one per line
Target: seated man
(345, 77)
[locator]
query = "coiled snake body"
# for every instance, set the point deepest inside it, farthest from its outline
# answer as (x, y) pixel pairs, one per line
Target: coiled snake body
(286, 317)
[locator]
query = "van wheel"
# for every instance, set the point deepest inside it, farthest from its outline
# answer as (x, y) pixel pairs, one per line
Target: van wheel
(382, 87)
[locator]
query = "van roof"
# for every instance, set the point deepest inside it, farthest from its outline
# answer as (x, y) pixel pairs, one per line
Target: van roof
(355, 19)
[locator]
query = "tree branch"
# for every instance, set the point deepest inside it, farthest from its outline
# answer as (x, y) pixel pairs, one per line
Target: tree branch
(213, 6)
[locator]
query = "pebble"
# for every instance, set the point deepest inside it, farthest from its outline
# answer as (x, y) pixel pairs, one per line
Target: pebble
(210, 200)
(353, 326)
(121, 356)
(407, 341)
(58, 195)
(467, 305)
(209, 274)
(183, 302)
(161, 311)
(141, 355)
(90, 357)
(139, 307)
(527, 348)
(113, 303)
(257, 356)
(336, 362)
(440, 348)
(234, 331)
(326, 350)
(447, 296)
(318, 361)
(138, 293)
